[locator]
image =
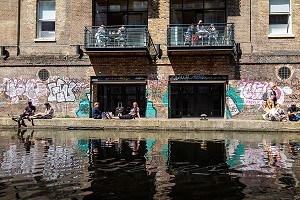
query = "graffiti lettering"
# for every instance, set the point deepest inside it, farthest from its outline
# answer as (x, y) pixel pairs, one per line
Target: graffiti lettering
(17, 89)
(61, 91)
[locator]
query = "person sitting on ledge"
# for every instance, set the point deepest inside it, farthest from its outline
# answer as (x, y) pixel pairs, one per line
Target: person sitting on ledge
(293, 112)
(277, 114)
(48, 114)
(96, 112)
(134, 112)
(28, 111)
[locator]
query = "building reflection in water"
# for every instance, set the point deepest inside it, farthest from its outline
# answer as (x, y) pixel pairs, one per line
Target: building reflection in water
(68, 166)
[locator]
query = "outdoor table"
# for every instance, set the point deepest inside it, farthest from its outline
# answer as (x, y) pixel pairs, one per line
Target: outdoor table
(114, 37)
(202, 34)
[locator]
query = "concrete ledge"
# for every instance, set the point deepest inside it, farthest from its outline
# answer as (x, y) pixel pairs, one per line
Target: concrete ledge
(157, 124)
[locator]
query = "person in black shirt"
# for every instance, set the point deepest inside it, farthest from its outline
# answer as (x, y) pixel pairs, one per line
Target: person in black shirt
(28, 111)
(96, 112)
(293, 112)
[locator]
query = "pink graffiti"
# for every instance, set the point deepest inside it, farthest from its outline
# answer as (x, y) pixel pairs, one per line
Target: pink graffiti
(17, 89)
(252, 92)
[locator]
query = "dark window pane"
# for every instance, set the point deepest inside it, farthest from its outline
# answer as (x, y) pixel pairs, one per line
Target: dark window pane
(176, 17)
(279, 19)
(138, 5)
(117, 5)
(214, 4)
(176, 4)
(214, 17)
(192, 4)
(101, 6)
(48, 26)
(189, 17)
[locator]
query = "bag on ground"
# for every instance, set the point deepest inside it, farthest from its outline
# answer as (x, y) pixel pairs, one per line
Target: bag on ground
(119, 110)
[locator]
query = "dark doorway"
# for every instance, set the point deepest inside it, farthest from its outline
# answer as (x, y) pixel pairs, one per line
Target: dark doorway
(110, 95)
(192, 100)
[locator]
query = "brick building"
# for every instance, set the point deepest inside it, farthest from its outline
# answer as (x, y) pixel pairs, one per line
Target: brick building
(57, 51)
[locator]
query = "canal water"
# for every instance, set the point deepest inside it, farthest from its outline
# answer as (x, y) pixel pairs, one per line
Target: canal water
(51, 164)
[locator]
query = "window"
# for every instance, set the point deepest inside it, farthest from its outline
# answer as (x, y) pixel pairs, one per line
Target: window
(191, 11)
(46, 19)
(121, 12)
(280, 17)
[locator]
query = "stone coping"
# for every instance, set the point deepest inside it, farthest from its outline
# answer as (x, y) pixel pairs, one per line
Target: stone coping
(183, 124)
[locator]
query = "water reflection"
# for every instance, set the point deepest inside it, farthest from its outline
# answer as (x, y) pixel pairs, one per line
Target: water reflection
(105, 165)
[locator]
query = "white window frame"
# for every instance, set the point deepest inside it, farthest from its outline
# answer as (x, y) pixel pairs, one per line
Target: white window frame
(288, 27)
(51, 34)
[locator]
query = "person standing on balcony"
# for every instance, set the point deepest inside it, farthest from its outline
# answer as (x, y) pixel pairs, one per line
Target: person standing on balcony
(122, 36)
(101, 36)
(213, 34)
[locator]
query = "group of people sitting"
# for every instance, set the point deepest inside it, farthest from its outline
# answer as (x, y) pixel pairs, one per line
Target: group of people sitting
(29, 113)
(197, 34)
(133, 113)
(273, 110)
(103, 36)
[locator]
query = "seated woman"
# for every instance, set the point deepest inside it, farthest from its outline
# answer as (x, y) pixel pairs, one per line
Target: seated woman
(277, 114)
(48, 114)
(134, 112)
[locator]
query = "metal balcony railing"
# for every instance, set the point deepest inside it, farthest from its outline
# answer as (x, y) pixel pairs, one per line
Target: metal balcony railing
(204, 35)
(110, 37)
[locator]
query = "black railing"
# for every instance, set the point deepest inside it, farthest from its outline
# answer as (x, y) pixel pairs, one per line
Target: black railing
(116, 37)
(181, 35)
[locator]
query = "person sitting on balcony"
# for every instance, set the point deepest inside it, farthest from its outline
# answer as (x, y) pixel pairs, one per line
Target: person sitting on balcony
(201, 32)
(213, 34)
(190, 35)
(122, 36)
(101, 36)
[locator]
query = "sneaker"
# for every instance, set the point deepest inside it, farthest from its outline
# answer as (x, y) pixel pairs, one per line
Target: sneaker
(16, 119)
(23, 124)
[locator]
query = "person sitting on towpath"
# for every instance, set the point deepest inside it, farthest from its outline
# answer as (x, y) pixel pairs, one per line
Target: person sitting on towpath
(134, 112)
(28, 111)
(293, 112)
(48, 114)
(96, 112)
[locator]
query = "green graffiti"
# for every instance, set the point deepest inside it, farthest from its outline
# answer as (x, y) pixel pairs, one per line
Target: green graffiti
(234, 103)
(150, 110)
(84, 107)
(165, 98)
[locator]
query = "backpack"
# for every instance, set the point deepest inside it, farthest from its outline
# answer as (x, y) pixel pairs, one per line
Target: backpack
(265, 96)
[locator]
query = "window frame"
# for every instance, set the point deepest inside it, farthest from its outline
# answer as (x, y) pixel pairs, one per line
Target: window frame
(289, 32)
(129, 11)
(40, 21)
(198, 11)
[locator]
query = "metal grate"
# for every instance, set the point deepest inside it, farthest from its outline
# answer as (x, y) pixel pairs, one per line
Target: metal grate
(43, 74)
(284, 72)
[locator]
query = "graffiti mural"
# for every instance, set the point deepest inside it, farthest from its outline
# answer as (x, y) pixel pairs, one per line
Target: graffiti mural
(16, 89)
(234, 103)
(252, 92)
(157, 93)
(84, 106)
(64, 90)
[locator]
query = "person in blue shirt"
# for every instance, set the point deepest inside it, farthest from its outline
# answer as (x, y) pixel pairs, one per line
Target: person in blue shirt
(96, 112)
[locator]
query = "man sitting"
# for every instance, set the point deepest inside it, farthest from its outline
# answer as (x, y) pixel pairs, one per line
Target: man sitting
(293, 112)
(28, 111)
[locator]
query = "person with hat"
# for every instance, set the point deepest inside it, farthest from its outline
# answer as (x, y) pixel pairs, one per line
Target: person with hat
(28, 111)
(293, 112)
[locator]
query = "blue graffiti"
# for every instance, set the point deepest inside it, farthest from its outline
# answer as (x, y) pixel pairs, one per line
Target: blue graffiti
(150, 110)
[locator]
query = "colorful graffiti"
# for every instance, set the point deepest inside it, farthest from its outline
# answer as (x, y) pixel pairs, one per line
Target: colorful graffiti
(234, 103)
(252, 92)
(157, 91)
(84, 106)
(17, 89)
(64, 90)
(151, 112)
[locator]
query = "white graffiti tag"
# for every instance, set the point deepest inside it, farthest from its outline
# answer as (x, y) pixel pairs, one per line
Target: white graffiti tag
(29, 89)
(61, 91)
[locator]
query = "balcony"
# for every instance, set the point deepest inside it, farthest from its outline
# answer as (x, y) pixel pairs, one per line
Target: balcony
(119, 41)
(202, 40)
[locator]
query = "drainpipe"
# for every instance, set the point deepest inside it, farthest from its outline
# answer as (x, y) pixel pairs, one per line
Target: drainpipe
(19, 27)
